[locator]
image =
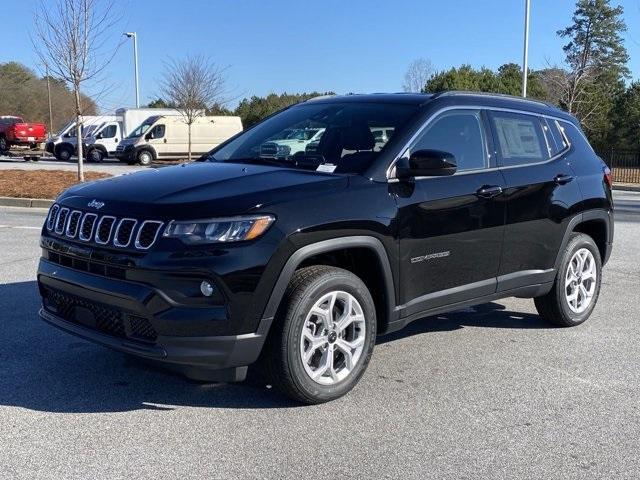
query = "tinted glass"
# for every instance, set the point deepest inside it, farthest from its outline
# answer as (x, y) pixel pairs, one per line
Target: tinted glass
(109, 132)
(314, 134)
(158, 131)
(520, 138)
(460, 133)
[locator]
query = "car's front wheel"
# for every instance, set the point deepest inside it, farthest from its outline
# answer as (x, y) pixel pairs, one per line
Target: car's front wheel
(324, 335)
(95, 155)
(145, 157)
(577, 284)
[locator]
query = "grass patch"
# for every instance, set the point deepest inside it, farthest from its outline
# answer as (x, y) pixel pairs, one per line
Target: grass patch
(40, 183)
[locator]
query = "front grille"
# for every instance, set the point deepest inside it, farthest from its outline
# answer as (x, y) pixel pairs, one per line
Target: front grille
(142, 329)
(74, 223)
(147, 234)
(86, 230)
(269, 149)
(53, 215)
(98, 316)
(61, 221)
(103, 230)
(84, 312)
(86, 265)
(124, 232)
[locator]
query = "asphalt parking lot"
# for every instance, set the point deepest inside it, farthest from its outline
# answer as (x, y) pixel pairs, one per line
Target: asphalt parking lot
(112, 166)
(489, 392)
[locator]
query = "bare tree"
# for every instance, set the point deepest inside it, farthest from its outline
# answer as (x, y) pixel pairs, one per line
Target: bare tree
(417, 75)
(74, 38)
(193, 86)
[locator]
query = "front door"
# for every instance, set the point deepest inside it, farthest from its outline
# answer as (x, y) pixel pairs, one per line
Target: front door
(451, 228)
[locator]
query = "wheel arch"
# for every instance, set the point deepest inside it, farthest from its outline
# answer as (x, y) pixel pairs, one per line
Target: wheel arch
(598, 224)
(334, 252)
(147, 148)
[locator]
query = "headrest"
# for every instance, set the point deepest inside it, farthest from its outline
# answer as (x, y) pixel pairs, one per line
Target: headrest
(357, 137)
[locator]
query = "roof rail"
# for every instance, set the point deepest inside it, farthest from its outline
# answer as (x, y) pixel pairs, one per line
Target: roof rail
(453, 93)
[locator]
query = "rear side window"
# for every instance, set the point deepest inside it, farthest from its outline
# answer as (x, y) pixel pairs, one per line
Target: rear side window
(555, 137)
(460, 133)
(520, 138)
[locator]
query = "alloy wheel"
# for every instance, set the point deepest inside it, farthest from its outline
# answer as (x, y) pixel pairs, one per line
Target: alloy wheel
(333, 338)
(580, 280)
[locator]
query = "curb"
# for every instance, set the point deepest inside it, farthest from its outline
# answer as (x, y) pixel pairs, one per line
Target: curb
(25, 202)
(627, 188)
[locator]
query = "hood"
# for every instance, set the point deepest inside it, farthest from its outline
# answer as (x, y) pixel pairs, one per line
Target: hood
(200, 190)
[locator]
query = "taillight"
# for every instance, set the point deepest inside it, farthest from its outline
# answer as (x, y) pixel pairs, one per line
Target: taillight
(608, 178)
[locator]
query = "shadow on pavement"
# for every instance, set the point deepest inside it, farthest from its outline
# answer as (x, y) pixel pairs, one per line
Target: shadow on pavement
(44, 369)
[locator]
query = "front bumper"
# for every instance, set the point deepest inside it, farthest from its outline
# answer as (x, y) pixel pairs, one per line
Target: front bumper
(132, 318)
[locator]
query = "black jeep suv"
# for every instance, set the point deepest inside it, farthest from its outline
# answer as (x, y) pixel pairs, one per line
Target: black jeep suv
(294, 244)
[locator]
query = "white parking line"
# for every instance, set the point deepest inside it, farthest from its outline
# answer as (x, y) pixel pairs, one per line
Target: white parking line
(20, 227)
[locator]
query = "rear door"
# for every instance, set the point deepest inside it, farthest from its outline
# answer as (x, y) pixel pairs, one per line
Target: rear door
(451, 228)
(540, 190)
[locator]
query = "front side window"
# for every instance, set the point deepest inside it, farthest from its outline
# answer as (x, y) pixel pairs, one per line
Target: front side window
(340, 135)
(520, 138)
(109, 132)
(460, 133)
(158, 131)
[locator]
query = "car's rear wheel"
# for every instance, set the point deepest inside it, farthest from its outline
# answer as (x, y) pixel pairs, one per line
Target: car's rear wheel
(323, 337)
(577, 284)
(64, 153)
(4, 145)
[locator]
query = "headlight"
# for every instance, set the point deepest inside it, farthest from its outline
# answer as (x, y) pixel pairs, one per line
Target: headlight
(219, 230)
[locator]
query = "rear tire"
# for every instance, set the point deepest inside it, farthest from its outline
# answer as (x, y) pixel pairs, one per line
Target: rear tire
(4, 145)
(64, 153)
(576, 287)
(315, 358)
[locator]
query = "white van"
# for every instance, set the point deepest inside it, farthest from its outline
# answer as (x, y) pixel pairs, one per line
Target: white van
(63, 144)
(103, 141)
(167, 138)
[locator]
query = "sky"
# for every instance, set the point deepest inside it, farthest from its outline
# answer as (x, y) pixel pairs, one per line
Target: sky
(329, 45)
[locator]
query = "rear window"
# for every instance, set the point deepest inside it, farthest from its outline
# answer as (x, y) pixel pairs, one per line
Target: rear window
(555, 138)
(520, 138)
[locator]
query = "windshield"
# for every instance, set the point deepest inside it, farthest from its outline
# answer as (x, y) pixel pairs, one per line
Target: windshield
(342, 137)
(142, 128)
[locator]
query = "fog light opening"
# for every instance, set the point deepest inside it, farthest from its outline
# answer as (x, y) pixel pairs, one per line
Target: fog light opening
(206, 288)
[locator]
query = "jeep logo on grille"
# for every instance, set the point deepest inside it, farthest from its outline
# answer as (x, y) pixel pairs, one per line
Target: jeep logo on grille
(95, 204)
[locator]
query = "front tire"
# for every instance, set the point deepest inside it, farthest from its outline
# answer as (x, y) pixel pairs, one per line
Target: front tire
(145, 157)
(64, 153)
(323, 336)
(95, 155)
(576, 288)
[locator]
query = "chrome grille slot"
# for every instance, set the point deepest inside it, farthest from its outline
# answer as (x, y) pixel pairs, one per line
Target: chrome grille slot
(147, 234)
(51, 219)
(124, 232)
(86, 228)
(74, 223)
(103, 231)
(61, 221)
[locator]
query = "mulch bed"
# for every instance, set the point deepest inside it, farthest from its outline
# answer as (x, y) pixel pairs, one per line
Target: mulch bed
(40, 183)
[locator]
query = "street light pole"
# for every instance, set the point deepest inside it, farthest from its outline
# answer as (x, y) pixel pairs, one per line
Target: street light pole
(525, 57)
(134, 35)
(49, 97)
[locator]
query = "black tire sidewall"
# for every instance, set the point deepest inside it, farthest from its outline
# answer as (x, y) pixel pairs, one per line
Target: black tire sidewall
(575, 244)
(144, 154)
(99, 156)
(61, 154)
(3, 144)
(347, 283)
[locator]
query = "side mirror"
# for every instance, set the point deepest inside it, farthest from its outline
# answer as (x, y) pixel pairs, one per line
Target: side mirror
(148, 136)
(426, 163)
(99, 136)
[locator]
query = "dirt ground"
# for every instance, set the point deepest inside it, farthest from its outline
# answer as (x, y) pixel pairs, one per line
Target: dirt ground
(40, 183)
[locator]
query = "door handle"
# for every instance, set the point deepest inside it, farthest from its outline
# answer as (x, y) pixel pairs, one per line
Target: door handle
(489, 191)
(165, 140)
(563, 179)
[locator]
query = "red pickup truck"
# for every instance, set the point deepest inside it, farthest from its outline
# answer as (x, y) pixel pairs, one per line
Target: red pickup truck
(15, 131)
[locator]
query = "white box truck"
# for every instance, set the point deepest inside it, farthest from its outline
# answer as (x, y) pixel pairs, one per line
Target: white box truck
(167, 138)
